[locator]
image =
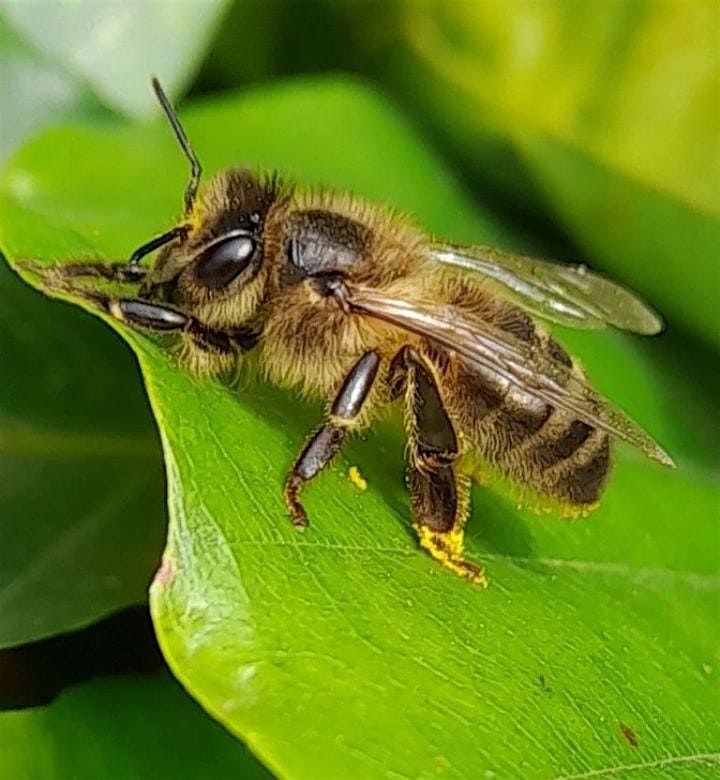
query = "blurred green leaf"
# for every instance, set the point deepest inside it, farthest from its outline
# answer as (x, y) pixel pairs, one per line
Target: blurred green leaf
(608, 112)
(346, 652)
(132, 728)
(115, 46)
(81, 499)
(33, 92)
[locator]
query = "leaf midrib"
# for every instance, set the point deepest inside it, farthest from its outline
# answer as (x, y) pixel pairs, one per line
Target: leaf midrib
(698, 580)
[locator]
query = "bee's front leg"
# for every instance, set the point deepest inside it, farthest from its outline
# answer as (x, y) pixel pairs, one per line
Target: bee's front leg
(136, 312)
(327, 440)
(128, 272)
(205, 351)
(113, 272)
(61, 276)
(68, 277)
(438, 495)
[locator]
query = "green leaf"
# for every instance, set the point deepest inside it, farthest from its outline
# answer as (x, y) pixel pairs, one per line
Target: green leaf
(132, 728)
(115, 46)
(81, 503)
(33, 93)
(604, 112)
(345, 651)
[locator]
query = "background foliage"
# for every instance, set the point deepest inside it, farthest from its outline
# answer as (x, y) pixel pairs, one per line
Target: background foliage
(606, 623)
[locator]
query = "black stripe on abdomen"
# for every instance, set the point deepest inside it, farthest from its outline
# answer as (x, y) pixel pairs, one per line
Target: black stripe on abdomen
(559, 448)
(584, 484)
(515, 425)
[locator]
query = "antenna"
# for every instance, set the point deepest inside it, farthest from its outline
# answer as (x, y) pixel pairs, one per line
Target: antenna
(195, 169)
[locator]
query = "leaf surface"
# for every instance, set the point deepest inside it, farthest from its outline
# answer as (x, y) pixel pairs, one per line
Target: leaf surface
(131, 728)
(81, 497)
(345, 651)
(112, 46)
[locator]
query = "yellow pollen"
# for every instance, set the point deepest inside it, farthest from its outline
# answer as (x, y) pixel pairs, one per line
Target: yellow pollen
(448, 548)
(357, 478)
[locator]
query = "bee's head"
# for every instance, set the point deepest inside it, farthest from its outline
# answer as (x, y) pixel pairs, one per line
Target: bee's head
(215, 269)
(212, 264)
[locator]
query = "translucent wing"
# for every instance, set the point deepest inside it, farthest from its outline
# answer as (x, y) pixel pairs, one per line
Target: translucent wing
(567, 294)
(481, 344)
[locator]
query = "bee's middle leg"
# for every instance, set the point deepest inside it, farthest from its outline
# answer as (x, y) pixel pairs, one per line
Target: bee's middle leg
(439, 496)
(328, 439)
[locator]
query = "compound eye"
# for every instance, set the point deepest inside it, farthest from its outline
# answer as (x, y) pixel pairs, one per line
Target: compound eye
(223, 261)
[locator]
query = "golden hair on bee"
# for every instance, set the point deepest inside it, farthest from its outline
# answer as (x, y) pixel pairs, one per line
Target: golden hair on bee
(349, 301)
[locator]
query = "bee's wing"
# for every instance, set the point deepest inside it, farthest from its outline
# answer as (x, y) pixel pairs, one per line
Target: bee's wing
(567, 294)
(482, 345)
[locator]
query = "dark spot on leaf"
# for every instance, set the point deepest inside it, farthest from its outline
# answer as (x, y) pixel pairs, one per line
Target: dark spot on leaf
(628, 735)
(543, 684)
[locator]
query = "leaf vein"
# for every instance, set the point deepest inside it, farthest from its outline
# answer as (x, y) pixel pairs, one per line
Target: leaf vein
(708, 759)
(703, 582)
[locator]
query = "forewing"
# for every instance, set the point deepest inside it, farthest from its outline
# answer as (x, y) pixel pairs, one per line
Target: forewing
(481, 344)
(567, 294)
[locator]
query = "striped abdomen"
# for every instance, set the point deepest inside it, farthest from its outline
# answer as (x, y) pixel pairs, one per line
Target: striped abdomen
(528, 441)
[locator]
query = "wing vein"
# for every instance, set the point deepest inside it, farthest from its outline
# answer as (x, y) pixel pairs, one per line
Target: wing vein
(481, 345)
(569, 295)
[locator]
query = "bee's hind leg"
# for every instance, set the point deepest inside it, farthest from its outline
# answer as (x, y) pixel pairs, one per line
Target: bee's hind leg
(327, 440)
(438, 495)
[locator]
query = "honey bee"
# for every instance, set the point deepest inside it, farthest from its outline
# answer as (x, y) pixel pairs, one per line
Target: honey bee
(344, 300)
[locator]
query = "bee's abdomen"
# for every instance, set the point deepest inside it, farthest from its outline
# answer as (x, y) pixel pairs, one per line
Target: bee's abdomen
(531, 443)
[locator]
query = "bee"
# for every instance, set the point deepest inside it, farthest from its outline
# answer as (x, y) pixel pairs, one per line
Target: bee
(347, 301)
